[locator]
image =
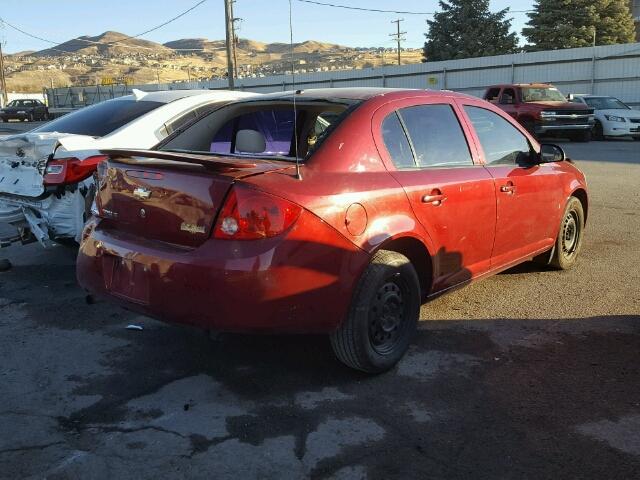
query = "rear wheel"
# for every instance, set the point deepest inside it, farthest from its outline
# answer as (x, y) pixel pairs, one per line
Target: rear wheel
(383, 315)
(569, 239)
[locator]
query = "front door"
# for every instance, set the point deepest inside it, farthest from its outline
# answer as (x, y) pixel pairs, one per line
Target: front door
(528, 195)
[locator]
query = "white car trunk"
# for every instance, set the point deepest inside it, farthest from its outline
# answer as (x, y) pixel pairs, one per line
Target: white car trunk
(23, 160)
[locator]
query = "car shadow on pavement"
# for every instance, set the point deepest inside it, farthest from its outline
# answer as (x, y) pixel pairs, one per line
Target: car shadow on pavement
(483, 399)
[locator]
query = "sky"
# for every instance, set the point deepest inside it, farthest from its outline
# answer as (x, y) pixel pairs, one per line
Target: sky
(263, 20)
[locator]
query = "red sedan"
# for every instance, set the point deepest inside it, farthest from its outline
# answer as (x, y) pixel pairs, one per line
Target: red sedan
(340, 218)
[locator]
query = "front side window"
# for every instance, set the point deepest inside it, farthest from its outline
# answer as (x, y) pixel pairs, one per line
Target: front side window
(508, 96)
(100, 119)
(502, 143)
(396, 142)
(436, 135)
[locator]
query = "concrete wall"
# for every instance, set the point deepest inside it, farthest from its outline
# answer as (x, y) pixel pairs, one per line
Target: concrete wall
(604, 70)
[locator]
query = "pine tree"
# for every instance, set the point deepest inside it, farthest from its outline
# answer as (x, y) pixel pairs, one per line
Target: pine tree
(467, 28)
(556, 24)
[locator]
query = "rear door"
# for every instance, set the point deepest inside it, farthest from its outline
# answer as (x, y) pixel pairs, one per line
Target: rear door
(425, 149)
(529, 196)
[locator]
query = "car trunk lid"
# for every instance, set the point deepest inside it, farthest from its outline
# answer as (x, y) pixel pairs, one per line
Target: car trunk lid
(168, 196)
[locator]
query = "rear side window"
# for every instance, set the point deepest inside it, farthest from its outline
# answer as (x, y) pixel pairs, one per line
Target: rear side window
(492, 95)
(436, 135)
(100, 119)
(502, 143)
(396, 142)
(275, 125)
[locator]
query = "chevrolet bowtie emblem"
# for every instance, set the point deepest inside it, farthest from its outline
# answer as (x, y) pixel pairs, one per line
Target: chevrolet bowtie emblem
(141, 193)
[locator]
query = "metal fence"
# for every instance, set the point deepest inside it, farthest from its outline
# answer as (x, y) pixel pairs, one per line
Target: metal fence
(603, 70)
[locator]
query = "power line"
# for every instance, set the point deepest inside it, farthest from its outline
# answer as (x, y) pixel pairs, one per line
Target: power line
(2, 20)
(378, 10)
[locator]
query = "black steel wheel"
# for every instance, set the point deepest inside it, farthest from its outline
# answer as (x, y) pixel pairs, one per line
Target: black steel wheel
(383, 316)
(569, 239)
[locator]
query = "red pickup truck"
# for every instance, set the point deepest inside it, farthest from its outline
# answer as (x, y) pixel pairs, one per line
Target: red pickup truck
(543, 110)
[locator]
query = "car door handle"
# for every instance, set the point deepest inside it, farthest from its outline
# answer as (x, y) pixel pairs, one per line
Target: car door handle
(436, 197)
(508, 188)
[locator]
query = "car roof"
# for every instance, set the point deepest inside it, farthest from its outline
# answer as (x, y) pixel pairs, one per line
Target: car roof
(168, 96)
(534, 84)
(354, 93)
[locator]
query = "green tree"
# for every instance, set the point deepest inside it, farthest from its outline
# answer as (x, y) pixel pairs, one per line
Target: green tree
(555, 24)
(467, 28)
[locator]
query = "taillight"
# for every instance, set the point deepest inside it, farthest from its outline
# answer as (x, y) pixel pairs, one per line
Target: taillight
(248, 214)
(71, 170)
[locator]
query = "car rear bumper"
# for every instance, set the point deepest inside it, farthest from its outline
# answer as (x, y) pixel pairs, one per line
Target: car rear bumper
(293, 283)
(14, 116)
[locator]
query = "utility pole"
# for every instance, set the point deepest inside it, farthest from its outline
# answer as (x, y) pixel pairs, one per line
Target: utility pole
(398, 36)
(228, 15)
(234, 36)
(3, 83)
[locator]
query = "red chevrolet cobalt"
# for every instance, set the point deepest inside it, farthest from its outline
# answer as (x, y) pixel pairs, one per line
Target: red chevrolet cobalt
(333, 211)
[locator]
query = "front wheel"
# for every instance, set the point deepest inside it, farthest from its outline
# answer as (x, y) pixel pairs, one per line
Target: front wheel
(383, 315)
(598, 131)
(584, 136)
(569, 241)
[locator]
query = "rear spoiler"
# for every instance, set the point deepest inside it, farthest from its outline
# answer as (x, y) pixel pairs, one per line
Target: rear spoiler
(207, 161)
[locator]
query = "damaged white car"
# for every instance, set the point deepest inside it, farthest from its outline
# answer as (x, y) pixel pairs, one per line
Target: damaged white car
(46, 175)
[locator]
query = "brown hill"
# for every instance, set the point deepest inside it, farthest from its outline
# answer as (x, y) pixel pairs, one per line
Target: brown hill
(107, 43)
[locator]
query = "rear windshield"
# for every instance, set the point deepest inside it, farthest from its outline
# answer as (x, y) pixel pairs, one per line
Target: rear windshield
(271, 128)
(100, 119)
(542, 94)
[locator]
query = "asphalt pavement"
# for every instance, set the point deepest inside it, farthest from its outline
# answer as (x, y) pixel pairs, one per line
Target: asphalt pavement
(532, 373)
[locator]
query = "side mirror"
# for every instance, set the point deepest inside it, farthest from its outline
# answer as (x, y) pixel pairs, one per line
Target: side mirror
(551, 153)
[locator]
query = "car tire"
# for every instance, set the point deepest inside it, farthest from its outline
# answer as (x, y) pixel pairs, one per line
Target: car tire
(31, 117)
(569, 241)
(383, 315)
(584, 136)
(598, 131)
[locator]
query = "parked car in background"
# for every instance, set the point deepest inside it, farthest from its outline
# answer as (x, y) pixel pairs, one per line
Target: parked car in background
(340, 218)
(24, 110)
(543, 110)
(46, 183)
(613, 118)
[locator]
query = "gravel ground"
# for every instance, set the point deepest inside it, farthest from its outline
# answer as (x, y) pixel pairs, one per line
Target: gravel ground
(528, 374)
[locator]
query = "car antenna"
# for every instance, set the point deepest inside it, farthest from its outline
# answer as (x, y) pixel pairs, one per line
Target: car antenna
(295, 92)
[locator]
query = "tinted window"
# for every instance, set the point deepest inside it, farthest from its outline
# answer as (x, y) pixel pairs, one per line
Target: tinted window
(396, 142)
(436, 134)
(275, 125)
(502, 142)
(100, 119)
(508, 96)
(492, 95)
